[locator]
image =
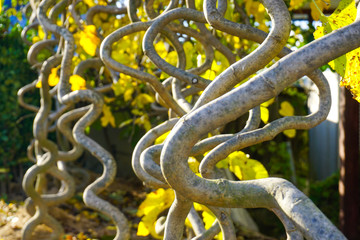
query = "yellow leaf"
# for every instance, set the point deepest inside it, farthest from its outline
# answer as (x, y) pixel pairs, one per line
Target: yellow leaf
(193, 164)
(223, 163)
(295, 4)
(251, 7)
(286, 109)
(155, 203)
(268, 103)
(264, 114)
(209, 74)
(343, 15)
(222, 61)
(290, 133)
(128, 94)
(172, 57)
(347, 65)
(77, 83)
(38, 84)
(41, 32)
(188, 223)
(136, 112)
(118, 88)
(107, 117)
(90, 3)
(52, 80)
(53, 77)
(162, 138)
(198, 4)
(35, 39)
(161, 49)
(216, 67)
(245, 168)
(351, 76)
(89, 40)
(109, 99)
(81, 236)
(143, 121)
(102, 2)
(142, 230)
(318, 7)
(208, 218)
(258, 11)
(189, 53)
(142, 99)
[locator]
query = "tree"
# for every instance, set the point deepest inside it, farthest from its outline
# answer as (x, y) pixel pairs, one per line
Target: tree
(194, 51)
(15, 121)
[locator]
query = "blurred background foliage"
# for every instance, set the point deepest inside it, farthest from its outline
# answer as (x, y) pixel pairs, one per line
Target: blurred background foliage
(15, 122)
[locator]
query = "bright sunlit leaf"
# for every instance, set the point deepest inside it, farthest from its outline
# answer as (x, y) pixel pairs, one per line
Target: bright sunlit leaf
(243, 167)
(52, 80)
(348, 65)
(38, 84)
(258, 11)
(77, 83)
(90, 3)
(208, 218)
(89, 40)
(264, 114)
(142, 229)
(154, 203)
(193, 164)
(162, 138)
(161, 49)
(53, 77)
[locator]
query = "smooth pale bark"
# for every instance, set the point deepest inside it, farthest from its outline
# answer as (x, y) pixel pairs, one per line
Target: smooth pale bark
(261, 88)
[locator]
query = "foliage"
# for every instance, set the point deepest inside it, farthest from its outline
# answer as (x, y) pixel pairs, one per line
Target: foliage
(158, 201)
(154, 204)
(347, 65)
(276, 154)
(243, 167)
(15, 122)
(325, 194)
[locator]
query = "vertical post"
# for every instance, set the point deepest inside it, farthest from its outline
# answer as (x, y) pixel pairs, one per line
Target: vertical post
(349, 165)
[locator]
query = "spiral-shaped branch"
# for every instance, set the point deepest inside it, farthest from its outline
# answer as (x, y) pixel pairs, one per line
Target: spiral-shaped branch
(198, 100)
